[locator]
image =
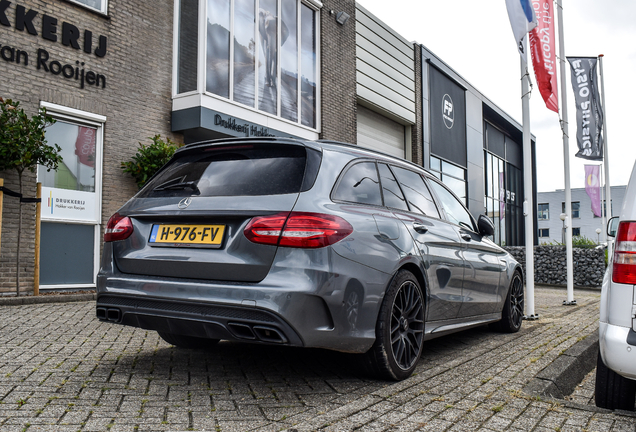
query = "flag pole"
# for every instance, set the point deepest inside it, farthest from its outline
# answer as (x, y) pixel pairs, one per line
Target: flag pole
(566, 164)
(608, 190)
(528, 193)
(604, 208)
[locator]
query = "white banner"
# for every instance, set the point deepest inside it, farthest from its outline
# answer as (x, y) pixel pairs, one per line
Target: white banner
(68, 205)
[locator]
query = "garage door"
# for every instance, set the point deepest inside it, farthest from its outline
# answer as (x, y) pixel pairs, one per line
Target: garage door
(380, 133)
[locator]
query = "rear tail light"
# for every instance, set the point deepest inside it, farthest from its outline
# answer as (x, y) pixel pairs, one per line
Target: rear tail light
(624, 266)
(298, 230)
(118, 228)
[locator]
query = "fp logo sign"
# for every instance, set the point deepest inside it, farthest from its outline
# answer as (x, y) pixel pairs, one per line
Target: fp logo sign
(447, 111)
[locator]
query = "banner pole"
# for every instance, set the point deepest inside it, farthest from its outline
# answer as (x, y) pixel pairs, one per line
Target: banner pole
(527, 188)
(608, 189)
(566, 166)
(604, 207)
(36, 266)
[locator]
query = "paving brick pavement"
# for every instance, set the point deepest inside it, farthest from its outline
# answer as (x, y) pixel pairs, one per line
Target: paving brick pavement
(63, 370)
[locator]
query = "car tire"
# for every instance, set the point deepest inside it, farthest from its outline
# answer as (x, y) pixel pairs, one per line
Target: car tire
(512, 312)
(399, 330)
(188, 342)
(613, 391)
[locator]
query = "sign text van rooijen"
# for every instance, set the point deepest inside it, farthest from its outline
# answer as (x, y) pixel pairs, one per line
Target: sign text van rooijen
(69, 35)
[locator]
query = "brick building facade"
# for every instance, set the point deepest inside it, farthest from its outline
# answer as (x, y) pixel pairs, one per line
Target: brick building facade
(168, 67)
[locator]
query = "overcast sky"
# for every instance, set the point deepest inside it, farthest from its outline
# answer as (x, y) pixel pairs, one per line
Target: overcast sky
(475, 39)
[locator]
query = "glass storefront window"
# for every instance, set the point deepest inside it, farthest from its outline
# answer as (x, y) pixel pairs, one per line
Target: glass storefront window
(218, 48)
(244, 51)
(77, 170)
(503, 203)
(451, 175)
(308, 66)
(261, 54)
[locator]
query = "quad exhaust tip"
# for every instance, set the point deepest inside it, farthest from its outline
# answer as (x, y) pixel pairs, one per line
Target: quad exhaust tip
(109, 314)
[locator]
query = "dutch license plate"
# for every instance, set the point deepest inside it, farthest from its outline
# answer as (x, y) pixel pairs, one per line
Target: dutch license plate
(186, 235)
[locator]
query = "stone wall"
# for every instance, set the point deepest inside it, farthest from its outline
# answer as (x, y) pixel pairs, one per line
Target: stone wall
(550, 265)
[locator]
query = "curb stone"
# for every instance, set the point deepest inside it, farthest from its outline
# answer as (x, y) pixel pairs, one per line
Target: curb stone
(560, 378)
(63, 298)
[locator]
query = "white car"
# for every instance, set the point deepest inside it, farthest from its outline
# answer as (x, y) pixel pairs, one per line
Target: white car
(616, 364)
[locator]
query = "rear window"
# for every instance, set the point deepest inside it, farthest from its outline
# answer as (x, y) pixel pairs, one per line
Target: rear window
(242, 170)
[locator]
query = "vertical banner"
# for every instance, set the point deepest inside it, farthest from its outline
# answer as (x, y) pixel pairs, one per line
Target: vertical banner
(544, 54)
(522, 20)
(593, 187)
(589, 115)
(85, 146)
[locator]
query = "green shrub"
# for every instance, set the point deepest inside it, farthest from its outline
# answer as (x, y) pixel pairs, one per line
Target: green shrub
(149, 158)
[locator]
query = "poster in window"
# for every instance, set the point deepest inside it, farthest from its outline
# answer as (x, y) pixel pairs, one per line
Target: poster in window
(268, 58)
(218, 48)
(308, 66)
(289, 62)
(244, 51)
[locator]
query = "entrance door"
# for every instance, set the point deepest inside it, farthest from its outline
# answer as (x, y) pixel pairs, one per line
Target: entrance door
(71, 201)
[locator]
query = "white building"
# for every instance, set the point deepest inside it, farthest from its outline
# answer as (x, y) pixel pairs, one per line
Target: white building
(551, 204)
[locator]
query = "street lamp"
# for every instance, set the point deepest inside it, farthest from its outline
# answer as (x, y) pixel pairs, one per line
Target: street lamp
(562, 216)
(598, 236)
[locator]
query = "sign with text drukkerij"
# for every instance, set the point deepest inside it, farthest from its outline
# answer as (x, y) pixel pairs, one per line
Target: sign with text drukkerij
(589, 113)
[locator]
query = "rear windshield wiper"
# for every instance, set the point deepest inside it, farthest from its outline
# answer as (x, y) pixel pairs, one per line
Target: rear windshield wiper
(178, 184)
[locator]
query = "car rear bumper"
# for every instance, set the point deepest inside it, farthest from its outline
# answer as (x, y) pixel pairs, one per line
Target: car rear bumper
(213, 321)
(617, 353)
(301, 302)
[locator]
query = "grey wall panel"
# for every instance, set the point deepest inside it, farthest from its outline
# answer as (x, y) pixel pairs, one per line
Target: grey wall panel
(394, 51)
(476, 188)
(475, 147)
(382, 31)
(385, 68)
(367, 61)
(385, 58)
(386, 106)
(474, 112)
(383, 89)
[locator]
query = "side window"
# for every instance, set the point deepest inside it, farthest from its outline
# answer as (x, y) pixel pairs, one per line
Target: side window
(360, 184)
(416, 191)
(454, 209)
(391, 190)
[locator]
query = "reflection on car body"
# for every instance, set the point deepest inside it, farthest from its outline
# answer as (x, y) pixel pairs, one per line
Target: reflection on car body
(324, 245)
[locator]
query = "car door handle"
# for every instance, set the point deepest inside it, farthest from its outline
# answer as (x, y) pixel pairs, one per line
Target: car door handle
(466, 237)
(420, 227)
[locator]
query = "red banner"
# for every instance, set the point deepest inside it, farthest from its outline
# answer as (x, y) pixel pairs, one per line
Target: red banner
(85, 146)
(543, 53)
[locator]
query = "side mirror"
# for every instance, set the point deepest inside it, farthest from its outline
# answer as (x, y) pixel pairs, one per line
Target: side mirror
(612, 226)
(485, 226)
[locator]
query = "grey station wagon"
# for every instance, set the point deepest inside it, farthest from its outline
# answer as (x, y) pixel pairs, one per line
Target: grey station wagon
(302, 243)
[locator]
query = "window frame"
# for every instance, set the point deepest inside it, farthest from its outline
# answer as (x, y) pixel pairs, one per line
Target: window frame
(440, 205)
(543, 231)
(545, 212)
(103, 11)
(344, 172)
(578, 210)
(201, 97)
(97, 121)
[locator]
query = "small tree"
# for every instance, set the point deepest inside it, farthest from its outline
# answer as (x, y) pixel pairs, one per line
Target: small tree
(149, 158)
(23, 146)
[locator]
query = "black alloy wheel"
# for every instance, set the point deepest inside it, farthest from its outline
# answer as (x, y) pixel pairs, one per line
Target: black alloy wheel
(399, 330)
(512, 313)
